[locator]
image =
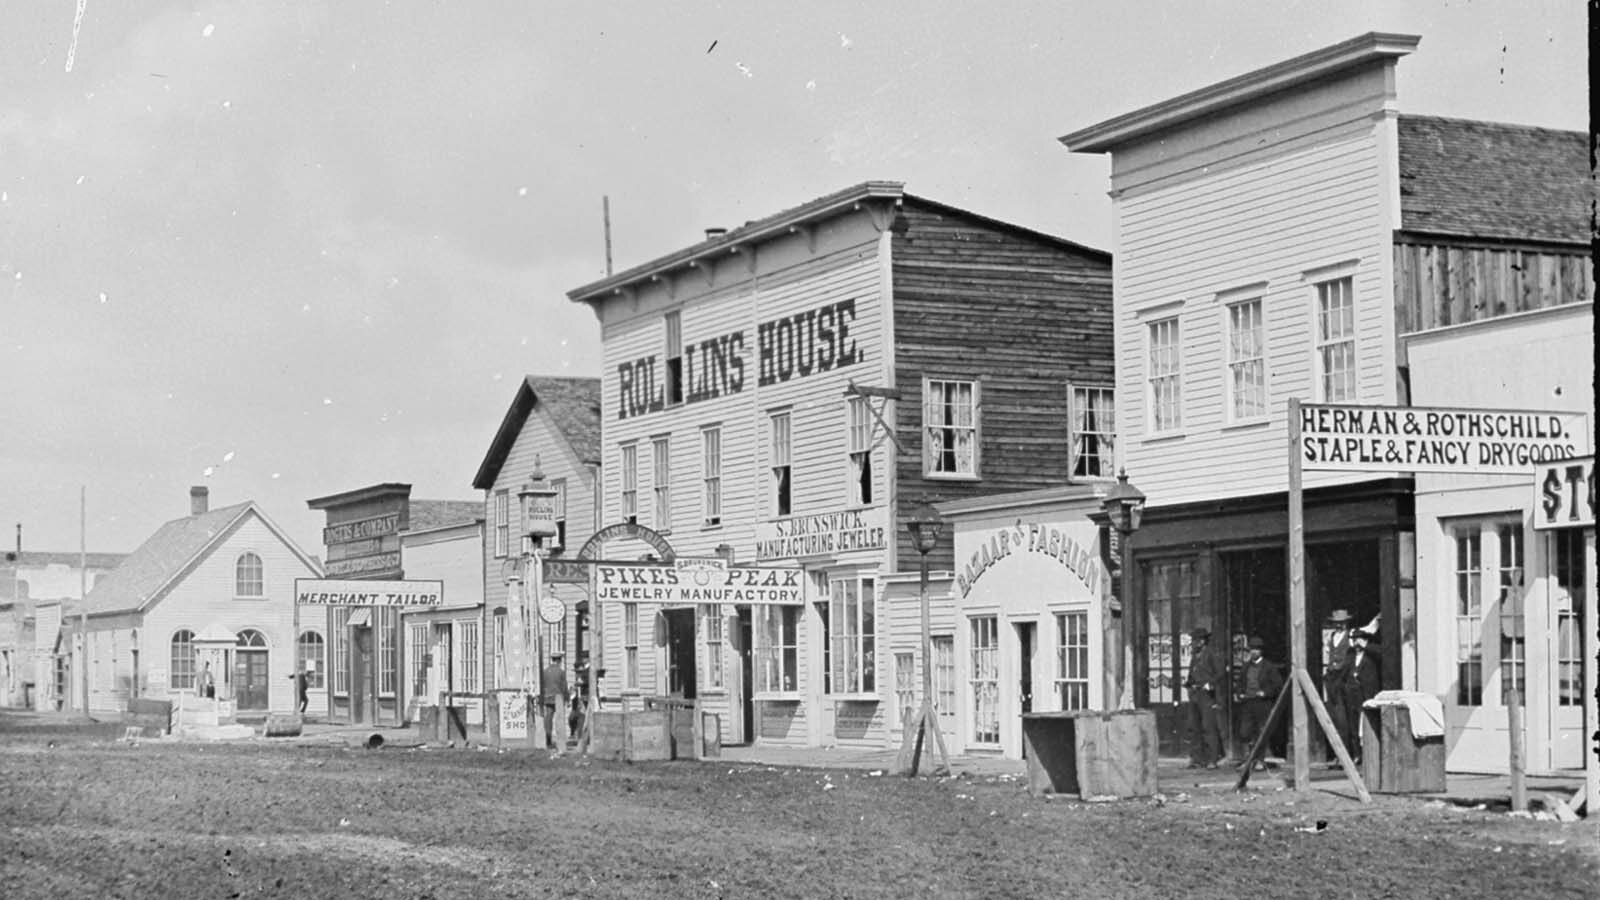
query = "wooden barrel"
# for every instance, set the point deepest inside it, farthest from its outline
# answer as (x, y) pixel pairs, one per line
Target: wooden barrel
(283, 725)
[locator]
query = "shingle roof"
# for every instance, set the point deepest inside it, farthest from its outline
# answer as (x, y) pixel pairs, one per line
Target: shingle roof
(163, 555)
(573, 404)
(426, 515)
(1492, 180)
(175, 547)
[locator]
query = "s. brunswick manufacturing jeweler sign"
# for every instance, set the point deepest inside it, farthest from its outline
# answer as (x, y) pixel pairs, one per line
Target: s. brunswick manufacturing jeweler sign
(1423, 439)
(823, 535)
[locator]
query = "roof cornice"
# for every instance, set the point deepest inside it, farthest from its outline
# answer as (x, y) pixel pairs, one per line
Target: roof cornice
(732, 242)
(1369, 48)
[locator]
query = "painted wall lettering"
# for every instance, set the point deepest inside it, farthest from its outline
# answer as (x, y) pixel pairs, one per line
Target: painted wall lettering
(795, 346)
(816, 340)
(1033, 537)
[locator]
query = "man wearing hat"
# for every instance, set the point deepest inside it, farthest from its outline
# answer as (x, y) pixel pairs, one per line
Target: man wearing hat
(553, 698)
(1206, 673)
(1362, 681)
(1255, 690)
(1335, 675)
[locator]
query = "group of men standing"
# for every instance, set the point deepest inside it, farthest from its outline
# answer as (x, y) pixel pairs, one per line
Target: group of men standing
(1352, 676)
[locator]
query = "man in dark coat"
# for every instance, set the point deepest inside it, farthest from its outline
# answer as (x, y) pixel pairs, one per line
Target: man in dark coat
(1256, 688)
(554, 696)
(1206, 673)
(1335, 672)
(1363, 680)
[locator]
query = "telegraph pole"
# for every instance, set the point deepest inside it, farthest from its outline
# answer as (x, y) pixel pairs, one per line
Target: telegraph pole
(83, 598)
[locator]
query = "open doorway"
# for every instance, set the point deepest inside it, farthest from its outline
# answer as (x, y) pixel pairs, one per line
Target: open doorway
(680, 653)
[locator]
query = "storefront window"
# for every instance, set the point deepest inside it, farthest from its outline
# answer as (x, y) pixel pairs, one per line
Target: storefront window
(341, 651)
(1567, 583)
(182, 660)
(464, 658)
(776, 657)
(1513, 642)
(905, 692)
(1170, 586)
(711, 616)
(388, 626)
(985, 682)
(1072, 659)
(417, 657)
(1469, 614)
(311, 659)
(630, 646)
(944, 679)
(851, 628)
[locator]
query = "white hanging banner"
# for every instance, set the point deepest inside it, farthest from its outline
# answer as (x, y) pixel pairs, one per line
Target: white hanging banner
(1423, 439)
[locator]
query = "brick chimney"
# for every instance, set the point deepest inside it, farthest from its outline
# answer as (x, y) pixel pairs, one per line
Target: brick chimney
(199, 500)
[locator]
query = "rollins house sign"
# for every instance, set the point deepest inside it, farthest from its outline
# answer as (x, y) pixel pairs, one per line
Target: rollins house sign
(1424, 439)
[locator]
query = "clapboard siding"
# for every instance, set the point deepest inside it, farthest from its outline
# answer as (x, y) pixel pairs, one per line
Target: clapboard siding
(1268, 221)
(1025, 316)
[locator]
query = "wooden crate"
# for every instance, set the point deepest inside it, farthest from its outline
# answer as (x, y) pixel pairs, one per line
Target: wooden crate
(1091, 753)
(154, 716)
(630, 735)
(1394, 762)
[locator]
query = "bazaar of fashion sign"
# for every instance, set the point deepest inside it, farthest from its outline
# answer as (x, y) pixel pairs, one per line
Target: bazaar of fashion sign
(825, 534)
(1032, 537)
(337, 592)
(1565, 494)
(669, 585)
(1421, 439)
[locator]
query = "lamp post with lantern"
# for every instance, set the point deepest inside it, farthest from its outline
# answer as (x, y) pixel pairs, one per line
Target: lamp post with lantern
(537, 502)
(925, 533)
(1124, 506)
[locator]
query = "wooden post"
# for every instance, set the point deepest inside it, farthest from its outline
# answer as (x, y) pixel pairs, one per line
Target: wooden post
(1591, 684)
(1301, 744)
(1519, 787)
(1309, 692)
(1259, 747)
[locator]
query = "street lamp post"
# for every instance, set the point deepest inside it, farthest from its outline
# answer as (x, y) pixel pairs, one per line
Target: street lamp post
(925, 533)
(536, 500)
(1124, 506)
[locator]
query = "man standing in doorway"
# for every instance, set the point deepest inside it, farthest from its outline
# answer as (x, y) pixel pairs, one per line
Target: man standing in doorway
(1259, 682)
(1335, 675)
(1206, 671)
(553, 697)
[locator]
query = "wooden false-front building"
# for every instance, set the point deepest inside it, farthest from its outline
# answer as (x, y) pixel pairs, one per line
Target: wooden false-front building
(789, 394)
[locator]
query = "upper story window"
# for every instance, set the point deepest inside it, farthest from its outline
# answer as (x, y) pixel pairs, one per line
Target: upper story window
(630, 481)
(247, 576)
(502, 522)
(711, 474)
(1165, 374)
(1336, 341)
(1247, 362)
(674, 322)
(781, 491)
(1094, 432)
(661, 481)
(950, 428)
(858, 431)
(559, 485)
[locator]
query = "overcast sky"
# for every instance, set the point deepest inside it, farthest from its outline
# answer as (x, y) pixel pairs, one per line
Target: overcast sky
(290, 249)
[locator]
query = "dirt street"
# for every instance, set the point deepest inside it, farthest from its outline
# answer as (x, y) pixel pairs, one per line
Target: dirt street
(88, 816)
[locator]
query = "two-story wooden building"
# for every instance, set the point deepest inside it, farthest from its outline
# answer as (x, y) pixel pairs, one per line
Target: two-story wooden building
(1282, 234)
(790, 393)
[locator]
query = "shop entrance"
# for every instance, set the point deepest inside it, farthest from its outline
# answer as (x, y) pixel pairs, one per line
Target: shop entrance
(1255, 588)
(250, 671)
(361, 674)
(680, 653)
(742, 705)
(1026, 632)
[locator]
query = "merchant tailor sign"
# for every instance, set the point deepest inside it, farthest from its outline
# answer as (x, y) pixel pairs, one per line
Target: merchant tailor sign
(674, 586)
(337, 592)
(823, 535)
(1421, 439)
(1564, 492)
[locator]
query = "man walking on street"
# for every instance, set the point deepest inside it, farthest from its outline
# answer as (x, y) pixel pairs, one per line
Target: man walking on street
(1206, 672)
(553, 697)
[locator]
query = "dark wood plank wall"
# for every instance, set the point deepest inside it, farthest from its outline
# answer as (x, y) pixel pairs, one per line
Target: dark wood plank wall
(1440, 283)
(1023, 315)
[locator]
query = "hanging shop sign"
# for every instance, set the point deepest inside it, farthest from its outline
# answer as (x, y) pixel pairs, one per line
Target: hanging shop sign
(1034, 538)
(1564, 494)
(671, 586)
(823, 535)
(1422, 439)
(786, 348)
(341, 592)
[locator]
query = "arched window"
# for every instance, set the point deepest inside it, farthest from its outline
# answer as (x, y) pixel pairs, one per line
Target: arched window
(309, 657)
(250, 637)
(182, 663)
(247, 576)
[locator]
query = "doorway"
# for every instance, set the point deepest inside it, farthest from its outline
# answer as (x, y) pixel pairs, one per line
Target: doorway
(747, 707)
(680, 653)
(360, 674)
(250, 687)
(1026, 635)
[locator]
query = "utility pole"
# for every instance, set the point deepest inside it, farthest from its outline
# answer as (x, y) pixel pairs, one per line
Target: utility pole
(83, 598)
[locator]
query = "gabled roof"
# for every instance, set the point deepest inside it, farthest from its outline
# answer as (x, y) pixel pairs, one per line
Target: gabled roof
(795, 218)
(1491, 180)
(170, 554)
(573, 404)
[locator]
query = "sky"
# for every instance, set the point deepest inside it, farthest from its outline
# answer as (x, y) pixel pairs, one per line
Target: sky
(285, 250)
